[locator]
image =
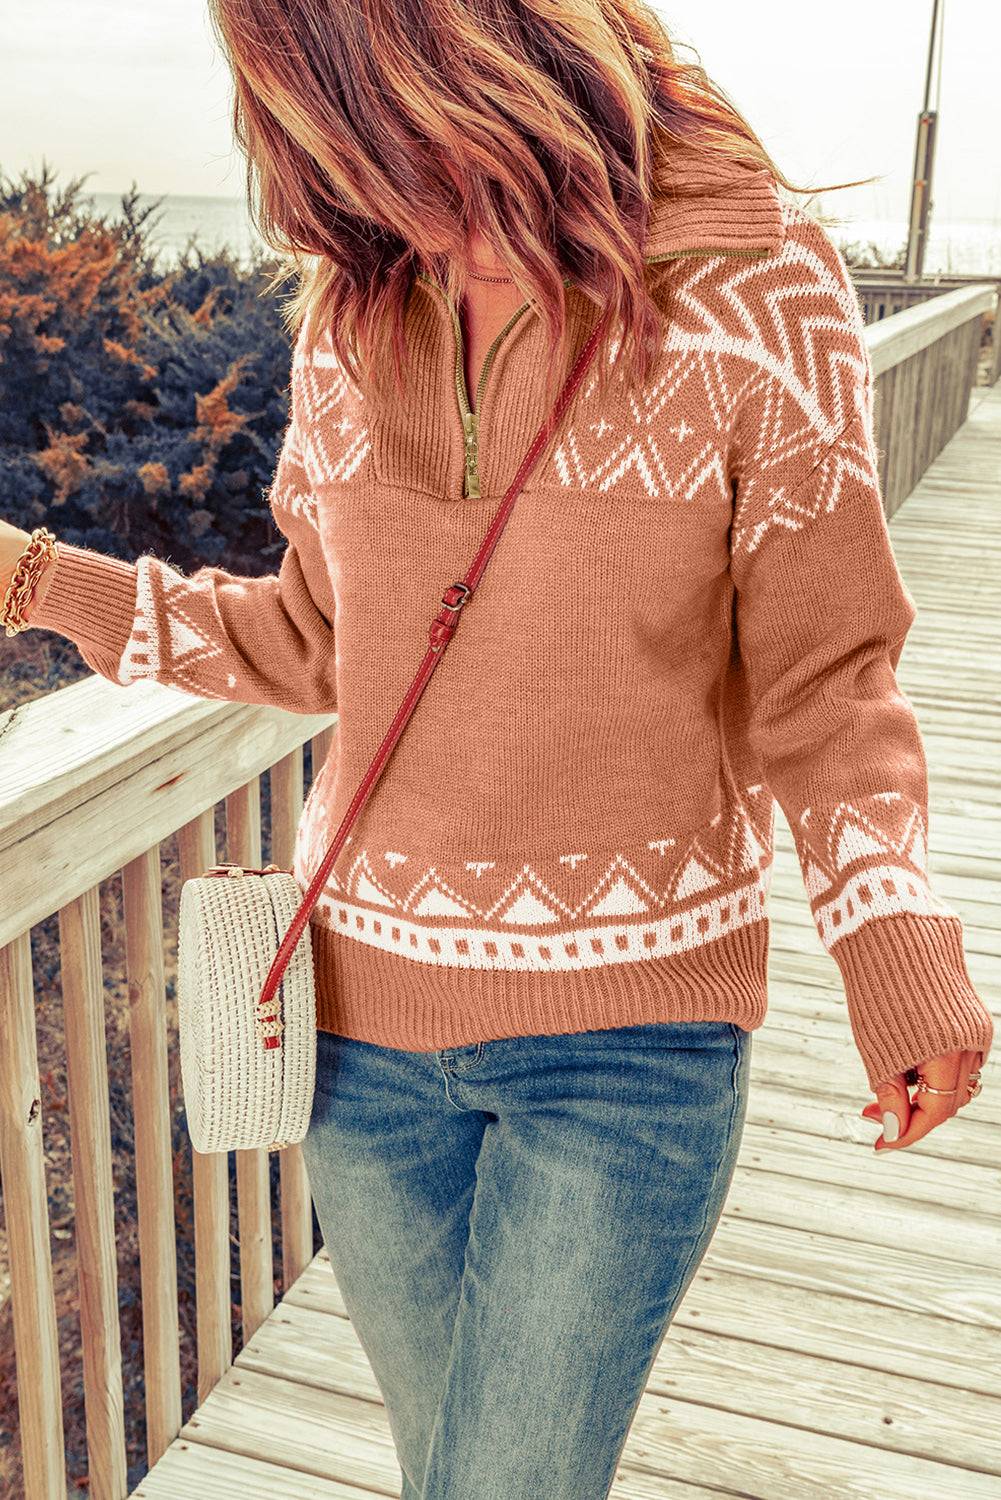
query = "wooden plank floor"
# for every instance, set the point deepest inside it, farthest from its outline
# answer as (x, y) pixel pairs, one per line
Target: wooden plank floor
(843, 1335)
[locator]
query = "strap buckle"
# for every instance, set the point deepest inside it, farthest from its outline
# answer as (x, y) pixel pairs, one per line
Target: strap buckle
(456, 604)
(444, 623)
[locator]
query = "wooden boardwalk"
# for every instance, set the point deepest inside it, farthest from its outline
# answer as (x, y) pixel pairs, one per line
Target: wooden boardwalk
(843, 1335)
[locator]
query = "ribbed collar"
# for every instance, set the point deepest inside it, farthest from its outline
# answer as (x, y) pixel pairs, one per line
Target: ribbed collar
(713, 207)
(712, 203)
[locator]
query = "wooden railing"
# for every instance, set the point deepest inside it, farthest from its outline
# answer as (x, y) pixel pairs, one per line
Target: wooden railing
(916, 288)
(93, 779)
(925, 366)
(887, 291)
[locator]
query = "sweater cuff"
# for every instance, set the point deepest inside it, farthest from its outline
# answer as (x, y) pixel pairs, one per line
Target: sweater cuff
(91, 599)
(909, 993)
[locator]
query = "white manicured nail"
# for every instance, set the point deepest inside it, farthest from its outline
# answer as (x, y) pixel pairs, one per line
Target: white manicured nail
(891, 1125)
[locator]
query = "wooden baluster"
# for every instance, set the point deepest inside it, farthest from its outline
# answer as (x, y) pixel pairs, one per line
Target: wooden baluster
(154, 1176)
(253, 1176)
(319, 748)
(26, 1210)
(210, 1181)
(93, 1192)
(296, 1204)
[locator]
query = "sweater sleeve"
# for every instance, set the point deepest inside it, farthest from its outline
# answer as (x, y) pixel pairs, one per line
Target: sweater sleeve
(267, 640)
(822, 614)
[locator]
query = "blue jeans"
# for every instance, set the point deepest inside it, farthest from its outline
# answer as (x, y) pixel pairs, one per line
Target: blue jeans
(512, 1225)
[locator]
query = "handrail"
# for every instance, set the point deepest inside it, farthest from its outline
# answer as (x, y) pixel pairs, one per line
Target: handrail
(898, 338)
(92, 776)
(931, 347)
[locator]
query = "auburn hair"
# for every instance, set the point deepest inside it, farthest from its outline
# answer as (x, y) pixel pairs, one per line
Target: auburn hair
(378, 133)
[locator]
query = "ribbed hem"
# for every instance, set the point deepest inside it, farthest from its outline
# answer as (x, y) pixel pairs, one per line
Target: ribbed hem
(90, 599)
(370, 995)
(909, 993)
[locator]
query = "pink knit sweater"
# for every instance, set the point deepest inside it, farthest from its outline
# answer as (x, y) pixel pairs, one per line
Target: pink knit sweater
(694, 610)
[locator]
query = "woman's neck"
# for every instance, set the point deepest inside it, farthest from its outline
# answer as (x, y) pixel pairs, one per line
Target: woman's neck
(482, 258)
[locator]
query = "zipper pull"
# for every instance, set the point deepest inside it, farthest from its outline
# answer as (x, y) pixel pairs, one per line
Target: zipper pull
(470, 426)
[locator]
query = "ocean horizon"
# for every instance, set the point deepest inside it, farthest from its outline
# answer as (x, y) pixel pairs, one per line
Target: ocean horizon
(959, 247)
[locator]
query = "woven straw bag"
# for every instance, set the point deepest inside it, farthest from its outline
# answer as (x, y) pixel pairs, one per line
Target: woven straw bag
(238, 1093)
(246, 999)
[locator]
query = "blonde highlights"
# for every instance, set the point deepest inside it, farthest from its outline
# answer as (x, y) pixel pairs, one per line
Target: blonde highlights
(378, 133)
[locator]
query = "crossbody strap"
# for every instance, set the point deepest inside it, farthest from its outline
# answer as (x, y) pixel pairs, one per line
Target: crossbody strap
(441, 631)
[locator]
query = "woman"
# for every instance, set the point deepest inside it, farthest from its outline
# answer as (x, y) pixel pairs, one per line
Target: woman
(543, 955)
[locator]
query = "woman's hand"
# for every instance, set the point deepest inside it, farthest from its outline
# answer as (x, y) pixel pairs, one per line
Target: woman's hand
(906, 1120)
(12, 543)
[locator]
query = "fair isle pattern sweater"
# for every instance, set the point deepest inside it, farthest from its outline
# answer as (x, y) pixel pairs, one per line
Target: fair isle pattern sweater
(693, 611)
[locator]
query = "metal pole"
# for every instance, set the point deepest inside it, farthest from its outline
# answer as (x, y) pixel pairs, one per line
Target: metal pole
(931, 52)
(924, 158)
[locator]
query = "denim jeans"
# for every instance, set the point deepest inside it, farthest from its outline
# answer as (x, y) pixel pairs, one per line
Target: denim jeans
(512, 1225)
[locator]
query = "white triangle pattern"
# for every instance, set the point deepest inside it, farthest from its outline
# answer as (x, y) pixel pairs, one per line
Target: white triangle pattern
(438, 903)
(855, 843)
(620, 918)
(620, 893)
(620, 900)
(871, 862)
(696, 876)
(184, 638)
(165, 641)
(335, 439)
(527, 911)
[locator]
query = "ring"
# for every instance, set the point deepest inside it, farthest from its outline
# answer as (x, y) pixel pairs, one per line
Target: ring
(924, 1087)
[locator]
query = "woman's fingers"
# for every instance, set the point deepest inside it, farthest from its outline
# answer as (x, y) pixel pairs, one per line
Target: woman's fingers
(969, 1062)
(905, 1118)
(892, 1107)
(927, 1109)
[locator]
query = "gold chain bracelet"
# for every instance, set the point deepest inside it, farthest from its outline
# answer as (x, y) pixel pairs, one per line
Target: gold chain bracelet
(39, 550)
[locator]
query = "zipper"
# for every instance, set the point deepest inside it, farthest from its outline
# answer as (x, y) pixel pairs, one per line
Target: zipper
(469, 416)
(651, 260)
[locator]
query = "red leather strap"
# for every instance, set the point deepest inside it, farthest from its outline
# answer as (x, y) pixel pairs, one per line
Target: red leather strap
(440, 632)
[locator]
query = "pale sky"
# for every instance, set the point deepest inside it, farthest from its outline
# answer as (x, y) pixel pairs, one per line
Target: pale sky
(136, 91)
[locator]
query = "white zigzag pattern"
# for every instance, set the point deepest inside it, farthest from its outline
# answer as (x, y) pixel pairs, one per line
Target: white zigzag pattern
(638, 448)
(849, 461)
(731, 317)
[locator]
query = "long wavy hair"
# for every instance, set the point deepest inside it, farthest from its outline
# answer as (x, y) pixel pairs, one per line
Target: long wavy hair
(378, 133)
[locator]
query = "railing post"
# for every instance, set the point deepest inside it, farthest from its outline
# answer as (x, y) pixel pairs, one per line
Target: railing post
(210, 1181)
(154, 1154)
(253, 1174)
(26, 1209)
(319, 749)
(296, 1203)
(93, 1192)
